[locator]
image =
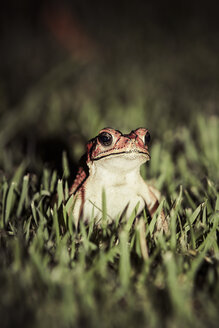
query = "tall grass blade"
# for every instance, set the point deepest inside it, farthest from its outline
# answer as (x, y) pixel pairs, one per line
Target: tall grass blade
(4, 195)
(9, 202)
(124, 263)
(24, 195)
(60, 193)
(33, 208)
(142, 239)
(56, 223)
(53, 182)
(19, 173)
(132, 218)
(65, 166)
(46, 176)
(104, 212)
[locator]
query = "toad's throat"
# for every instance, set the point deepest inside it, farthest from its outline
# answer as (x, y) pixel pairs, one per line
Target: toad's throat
(122, 152)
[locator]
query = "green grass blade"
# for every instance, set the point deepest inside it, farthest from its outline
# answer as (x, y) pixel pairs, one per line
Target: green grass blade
(132, 218)
(9, 202)
(56, 224)
(60, 193)
(19, 173)
(33, 209)
(65, 166)
(66, 195)
(141, 231)
(191, 202)
(46, 176)
(24, 195)
(4, 195)
(104, 212)
(178, 295)
(124, 263)
(53, 181)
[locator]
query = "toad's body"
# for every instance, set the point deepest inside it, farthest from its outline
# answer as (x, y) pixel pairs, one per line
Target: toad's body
(112, 164)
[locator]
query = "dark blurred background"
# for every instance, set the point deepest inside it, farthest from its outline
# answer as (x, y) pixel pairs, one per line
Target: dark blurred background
(69, 68)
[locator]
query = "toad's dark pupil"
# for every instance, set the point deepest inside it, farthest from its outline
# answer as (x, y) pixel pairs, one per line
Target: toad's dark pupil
(147, 138)
(105, 139)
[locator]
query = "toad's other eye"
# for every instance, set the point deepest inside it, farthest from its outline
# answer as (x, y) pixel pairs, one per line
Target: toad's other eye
(147, 138)
(105, 138)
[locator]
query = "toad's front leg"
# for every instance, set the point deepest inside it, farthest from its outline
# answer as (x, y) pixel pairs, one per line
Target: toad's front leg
(151, 198)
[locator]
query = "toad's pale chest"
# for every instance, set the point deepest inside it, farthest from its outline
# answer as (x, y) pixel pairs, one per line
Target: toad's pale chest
(122, 192)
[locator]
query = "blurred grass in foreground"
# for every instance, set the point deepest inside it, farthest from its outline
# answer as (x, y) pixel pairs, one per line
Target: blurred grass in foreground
(119, 275)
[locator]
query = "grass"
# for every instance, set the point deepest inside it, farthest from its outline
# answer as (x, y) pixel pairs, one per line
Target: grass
(118, 275)
(152, 70)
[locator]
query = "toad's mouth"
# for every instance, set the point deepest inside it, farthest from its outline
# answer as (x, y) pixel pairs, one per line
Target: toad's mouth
(103, 155)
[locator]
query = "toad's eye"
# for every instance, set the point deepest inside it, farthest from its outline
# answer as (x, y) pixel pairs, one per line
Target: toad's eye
(105, 138)
(147, 138)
